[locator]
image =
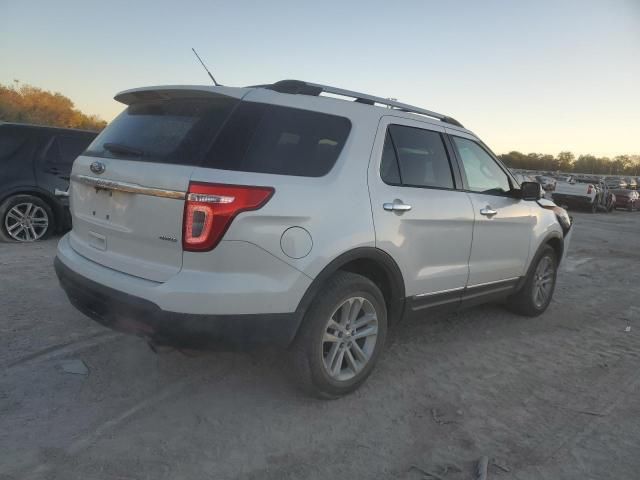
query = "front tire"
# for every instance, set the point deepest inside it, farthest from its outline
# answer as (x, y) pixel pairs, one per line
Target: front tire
(535, 295)
(341, 337)
(25, 218)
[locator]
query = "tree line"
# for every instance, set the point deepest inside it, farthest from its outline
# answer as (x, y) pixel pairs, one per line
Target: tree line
(25, 103)
(567, 162)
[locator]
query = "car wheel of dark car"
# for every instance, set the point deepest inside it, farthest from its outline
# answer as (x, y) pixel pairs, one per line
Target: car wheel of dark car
(25, 218)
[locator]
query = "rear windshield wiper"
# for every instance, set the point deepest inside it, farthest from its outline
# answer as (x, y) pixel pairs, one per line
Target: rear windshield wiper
(122, 149)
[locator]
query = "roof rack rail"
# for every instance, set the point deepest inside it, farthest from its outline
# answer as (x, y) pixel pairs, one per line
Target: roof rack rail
(306, 88)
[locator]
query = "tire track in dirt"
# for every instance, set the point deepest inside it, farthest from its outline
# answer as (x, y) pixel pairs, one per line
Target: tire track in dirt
(146, 404)
(580, 424)
(66, 348)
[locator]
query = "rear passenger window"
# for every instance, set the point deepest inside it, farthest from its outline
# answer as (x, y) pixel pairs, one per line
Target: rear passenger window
(422, 159)
(389, 171)
(67, 148)
(285, 141)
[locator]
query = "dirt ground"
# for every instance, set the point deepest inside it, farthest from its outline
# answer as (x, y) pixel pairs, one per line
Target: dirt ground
(555, 397)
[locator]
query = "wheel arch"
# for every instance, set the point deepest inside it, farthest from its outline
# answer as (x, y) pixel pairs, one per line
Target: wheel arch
(552, 239)
(370, 262)
(557, 243)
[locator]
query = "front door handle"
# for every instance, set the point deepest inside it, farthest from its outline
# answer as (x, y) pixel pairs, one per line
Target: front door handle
(488, 211)
(396, 206)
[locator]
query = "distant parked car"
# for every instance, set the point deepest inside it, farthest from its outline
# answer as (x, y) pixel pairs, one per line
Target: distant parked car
(627, 199)
(586, 192)
(35, 161)
(616, 182)
(631, 183)
(565, 178)
(547, 183)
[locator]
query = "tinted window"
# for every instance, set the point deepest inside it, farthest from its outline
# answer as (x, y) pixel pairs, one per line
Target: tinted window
(422, 157)
(273, 139)
(170, 131)
(482, 171)
(389, 171)
(11, 139)
(66, 148)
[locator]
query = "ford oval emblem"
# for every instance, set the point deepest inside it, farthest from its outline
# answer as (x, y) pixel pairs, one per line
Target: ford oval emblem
(97, 167)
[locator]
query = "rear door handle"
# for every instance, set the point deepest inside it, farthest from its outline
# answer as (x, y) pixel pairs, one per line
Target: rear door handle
(488, 211)
(396, 206)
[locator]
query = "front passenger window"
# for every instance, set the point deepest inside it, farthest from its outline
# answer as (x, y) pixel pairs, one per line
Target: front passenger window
(484, 175)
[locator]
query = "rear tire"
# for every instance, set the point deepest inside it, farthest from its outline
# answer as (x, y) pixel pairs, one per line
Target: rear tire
(535, 295)
(341, 337)
(25, 218)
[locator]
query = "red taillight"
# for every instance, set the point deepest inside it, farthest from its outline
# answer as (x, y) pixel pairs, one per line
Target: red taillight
(210, 208)
(589, 190)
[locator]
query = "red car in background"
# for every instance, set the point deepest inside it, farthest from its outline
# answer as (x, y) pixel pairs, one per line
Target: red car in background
(627, 199)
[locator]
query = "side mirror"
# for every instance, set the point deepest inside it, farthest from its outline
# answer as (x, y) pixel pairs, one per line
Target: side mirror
(530, 191)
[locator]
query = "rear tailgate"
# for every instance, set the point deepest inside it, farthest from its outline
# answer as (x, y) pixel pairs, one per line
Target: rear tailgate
(128, 188)
(575, 189)
(130, 217)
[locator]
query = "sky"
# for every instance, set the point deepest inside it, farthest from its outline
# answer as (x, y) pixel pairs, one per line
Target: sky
(538, 76)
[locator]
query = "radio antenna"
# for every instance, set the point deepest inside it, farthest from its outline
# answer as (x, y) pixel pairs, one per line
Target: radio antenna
(205, 67)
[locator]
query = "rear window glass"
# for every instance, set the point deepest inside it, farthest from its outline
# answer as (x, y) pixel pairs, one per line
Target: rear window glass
(279, 140)
(226, 134)
(171, 131)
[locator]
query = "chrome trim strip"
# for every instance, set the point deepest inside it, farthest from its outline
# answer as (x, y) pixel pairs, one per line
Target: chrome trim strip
(457, 289)
(493, 283)
(127, 187)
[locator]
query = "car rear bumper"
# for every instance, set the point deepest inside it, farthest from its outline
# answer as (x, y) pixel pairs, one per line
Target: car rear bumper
(218, 306)
(130, 314)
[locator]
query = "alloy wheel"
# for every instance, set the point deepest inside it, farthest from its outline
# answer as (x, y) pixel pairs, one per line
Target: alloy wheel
(543, 280)
(349, 338)
(26, 222)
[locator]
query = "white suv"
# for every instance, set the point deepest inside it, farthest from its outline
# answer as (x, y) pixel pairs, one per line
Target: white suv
(281, 214)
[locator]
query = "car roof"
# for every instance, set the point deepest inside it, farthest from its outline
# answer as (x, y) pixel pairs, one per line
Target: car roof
(32, 126)
(340, 106)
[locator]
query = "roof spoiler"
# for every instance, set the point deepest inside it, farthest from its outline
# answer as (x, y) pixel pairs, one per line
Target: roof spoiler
(159, 93)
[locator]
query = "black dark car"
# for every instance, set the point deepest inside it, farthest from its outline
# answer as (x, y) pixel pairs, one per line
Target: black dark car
(35, 161)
